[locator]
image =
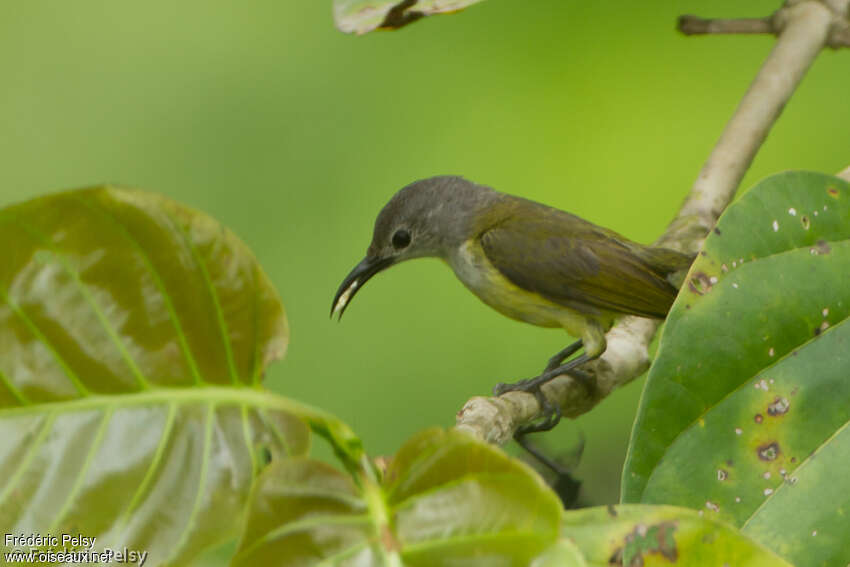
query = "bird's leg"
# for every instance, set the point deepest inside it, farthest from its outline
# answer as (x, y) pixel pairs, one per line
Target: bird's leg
(565, 485)
(562, 355)
(571, 369)
(551, 413)
(593, 341)
(531, 385)
(559, 357)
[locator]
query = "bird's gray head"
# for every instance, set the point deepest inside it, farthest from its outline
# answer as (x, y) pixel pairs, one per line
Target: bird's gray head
(430, 217)
(427, 218)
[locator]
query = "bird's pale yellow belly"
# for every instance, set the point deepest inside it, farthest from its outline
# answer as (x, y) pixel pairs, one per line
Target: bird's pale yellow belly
(472, 267)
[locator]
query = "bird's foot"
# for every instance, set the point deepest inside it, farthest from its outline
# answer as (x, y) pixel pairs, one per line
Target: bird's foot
(549, 412)
(533, 385)
(526, 385)
(550, 415)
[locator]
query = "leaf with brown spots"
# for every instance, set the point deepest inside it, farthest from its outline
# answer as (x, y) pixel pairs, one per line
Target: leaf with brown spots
(638, 535)
(755, 372)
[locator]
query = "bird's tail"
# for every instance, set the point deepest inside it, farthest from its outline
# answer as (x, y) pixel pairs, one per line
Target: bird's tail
(667, 263)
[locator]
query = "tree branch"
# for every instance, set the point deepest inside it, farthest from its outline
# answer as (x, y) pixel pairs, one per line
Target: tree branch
(805, 28)
(694, 25)
(839, 34)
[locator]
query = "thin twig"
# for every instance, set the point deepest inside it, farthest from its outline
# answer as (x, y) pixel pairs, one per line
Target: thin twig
(806, 26)
(839, 34)
(845, 174)
(694, 25)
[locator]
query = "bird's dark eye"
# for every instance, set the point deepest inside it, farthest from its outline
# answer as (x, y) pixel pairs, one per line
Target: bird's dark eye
(401, 239)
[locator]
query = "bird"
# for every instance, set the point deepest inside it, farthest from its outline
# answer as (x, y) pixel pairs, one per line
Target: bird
(528, 261)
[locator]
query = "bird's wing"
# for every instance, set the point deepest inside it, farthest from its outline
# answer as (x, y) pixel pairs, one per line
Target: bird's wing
(577, 264)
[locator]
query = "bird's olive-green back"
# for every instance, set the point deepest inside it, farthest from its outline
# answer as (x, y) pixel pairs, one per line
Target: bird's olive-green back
(575, 263)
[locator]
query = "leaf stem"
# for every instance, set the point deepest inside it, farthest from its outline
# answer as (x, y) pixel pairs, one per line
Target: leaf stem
(376, 502)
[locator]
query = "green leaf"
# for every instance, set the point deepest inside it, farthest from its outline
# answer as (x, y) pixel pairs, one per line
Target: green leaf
(134, 333)
(634, 535)
(745, 411)
(363, 16)
(563, 554)
(446, 499)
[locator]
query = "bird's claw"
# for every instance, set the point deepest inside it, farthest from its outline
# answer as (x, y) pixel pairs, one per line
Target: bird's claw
(550, 413)
(526, 385)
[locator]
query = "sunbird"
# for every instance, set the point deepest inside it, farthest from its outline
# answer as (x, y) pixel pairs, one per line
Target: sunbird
(526, 260)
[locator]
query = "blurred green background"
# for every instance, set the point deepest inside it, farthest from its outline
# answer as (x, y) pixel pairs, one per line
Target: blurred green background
(295, 135)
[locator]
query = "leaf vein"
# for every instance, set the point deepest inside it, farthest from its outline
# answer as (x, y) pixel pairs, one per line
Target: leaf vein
(33, 328)
(305, 524)
(24, 463)
(202, 481)
(81, 475)
(83, 289)
(16, 393)
(222, 324)
(278, 434)
(154, 464)
(157, 278)
(456, 481)
(249, 443)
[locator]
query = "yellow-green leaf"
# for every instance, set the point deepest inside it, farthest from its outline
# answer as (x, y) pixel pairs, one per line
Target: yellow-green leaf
(446, 499)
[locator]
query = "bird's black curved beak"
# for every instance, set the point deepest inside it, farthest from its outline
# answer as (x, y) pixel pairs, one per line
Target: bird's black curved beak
(368, 267)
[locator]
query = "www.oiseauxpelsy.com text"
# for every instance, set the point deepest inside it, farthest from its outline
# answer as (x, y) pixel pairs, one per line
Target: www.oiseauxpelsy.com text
(65, 548)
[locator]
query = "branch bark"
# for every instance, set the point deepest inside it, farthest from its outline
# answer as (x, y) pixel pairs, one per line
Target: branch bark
(839, 33)
(804, 28)
(694, 25)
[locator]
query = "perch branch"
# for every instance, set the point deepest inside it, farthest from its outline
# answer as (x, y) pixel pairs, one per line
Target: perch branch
(845, 174)
(805, 29)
